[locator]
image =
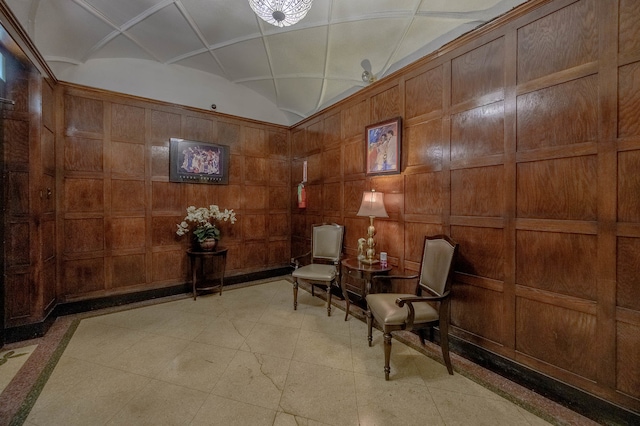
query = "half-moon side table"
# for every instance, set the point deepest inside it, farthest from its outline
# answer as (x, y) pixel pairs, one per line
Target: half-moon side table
(216, 276)
(361, 272)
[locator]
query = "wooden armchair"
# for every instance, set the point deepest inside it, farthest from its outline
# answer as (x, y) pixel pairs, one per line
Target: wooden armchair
(413, 310)
(324, 270)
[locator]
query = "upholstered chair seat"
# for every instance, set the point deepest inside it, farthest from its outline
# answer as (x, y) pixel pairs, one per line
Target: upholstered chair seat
(316, 272)
(323, 271)
(386, 312)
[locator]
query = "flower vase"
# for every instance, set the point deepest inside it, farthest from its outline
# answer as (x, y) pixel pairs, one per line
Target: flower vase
(208, 244)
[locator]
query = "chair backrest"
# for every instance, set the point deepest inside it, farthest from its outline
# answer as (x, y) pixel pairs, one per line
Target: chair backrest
(437, 263)
(326, 242)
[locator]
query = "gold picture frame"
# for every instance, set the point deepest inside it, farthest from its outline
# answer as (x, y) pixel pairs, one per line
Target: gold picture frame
(383, 147)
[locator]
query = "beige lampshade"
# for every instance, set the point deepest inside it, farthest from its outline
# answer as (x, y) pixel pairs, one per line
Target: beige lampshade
(372, 204)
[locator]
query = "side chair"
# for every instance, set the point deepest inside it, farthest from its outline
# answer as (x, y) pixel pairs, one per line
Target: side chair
(324, 270)
(416, 310)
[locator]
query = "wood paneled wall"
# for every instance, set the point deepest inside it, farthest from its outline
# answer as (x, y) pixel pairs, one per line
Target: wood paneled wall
(118, 211)
(521, 141)
(29, 208)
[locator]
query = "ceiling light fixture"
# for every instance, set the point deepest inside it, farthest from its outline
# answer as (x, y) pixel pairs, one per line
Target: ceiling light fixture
(281, 13)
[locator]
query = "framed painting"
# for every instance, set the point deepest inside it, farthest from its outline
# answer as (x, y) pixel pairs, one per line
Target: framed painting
(383, 145)
(198, 162)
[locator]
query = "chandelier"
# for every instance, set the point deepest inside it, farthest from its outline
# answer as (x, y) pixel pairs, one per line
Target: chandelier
(281, 13)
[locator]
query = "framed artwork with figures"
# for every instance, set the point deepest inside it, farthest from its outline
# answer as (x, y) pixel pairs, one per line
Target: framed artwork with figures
(383, 147)
(198, 162)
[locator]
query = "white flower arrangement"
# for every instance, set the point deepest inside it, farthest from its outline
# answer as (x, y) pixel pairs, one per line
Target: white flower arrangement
(204, 220)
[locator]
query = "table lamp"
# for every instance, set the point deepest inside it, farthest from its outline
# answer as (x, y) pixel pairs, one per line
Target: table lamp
(373, 206)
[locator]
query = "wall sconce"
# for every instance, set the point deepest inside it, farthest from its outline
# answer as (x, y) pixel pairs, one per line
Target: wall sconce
(373, 206)
(367, 77)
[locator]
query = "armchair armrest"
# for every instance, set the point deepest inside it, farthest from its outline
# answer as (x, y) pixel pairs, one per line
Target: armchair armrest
(295, 261)
(410, 300)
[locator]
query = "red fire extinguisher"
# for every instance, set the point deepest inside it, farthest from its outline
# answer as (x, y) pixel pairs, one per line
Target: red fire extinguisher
(302, 196)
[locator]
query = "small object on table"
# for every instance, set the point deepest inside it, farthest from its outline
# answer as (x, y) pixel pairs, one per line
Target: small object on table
(361, 271)
(207, 283)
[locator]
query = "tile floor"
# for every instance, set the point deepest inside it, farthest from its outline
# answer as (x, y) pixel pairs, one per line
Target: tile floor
(11, 361)
(247, 358)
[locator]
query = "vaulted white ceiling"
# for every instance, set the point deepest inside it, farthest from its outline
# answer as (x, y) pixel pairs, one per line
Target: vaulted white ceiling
(299, 69)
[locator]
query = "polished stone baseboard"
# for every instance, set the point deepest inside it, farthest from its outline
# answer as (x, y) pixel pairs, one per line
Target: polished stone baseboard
(589, 405)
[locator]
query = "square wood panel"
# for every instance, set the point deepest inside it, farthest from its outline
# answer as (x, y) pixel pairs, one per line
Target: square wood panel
(83, 115)
(128, 196)
(279, 172)
(479, 311)
(128, 270)
(414, 234)
(169, 265)
(354, 118)
(540, 326)
(254, 226)
(481, 251)
(423, 193)
(200, 129)
(279, 198)
(279, 253)
(629, 27)
(478, 191)
(558, 189)
(627, 365)
(128, 159)
(557, 262)
(164, 126)
(478, 72)
(423, 145)
(83, 155)
(563, 114)
(278, 225)
(477, 132)
(127, 123)
(558, 41)
(628, 100)
(128, 233)
(256, 170)
(84, 195)
(83, 235)
(423, 93)
(278, 144)
(83, 276)
(629, 186)
(255, 142)
(628, 279)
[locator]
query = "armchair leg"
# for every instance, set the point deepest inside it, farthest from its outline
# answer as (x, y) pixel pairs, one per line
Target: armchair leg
(422, 336)
(346, 300)
(444, 344)
(295, 294)
(369, 327)
(387, 355)
(328, 300)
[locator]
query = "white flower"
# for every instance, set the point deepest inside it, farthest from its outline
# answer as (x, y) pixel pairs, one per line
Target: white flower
(205, 218)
